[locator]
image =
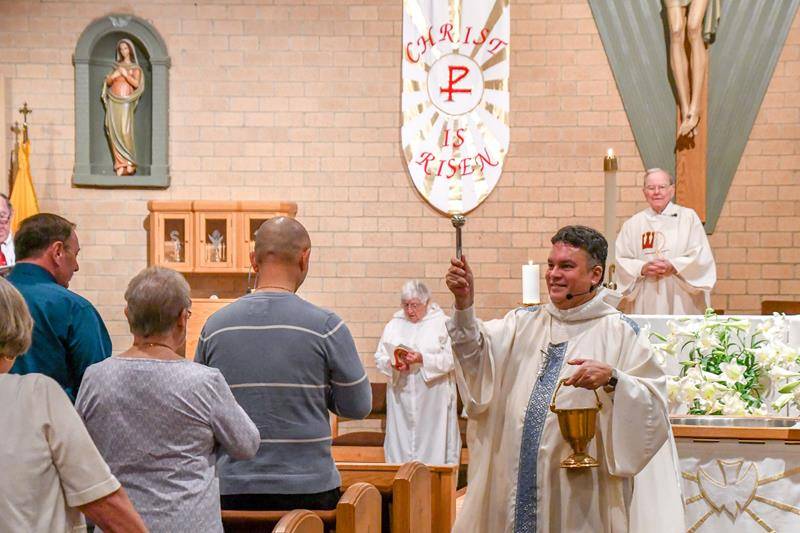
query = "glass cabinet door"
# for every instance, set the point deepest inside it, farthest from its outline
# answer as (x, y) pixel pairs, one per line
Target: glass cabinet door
(173, 241)
(250, 224)
(216, 233)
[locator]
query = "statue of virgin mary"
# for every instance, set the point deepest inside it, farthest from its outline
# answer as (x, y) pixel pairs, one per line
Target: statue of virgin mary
(122, 89)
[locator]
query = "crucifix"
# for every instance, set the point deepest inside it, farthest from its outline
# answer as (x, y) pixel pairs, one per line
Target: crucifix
(25, 111)
(692, 24)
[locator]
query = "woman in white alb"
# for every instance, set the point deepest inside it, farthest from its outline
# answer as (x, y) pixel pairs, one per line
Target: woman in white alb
(422, 418)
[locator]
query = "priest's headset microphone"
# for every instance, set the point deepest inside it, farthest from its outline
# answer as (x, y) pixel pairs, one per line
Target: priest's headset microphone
(570, 296)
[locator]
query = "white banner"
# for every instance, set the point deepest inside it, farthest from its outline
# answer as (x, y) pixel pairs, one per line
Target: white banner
(455, 99)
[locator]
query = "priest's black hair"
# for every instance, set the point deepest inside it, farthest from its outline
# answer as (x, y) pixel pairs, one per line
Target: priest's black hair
(588, 239)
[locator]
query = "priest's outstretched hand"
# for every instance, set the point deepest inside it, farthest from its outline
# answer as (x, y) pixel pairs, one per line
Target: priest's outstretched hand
(460, 282)
(590, 374)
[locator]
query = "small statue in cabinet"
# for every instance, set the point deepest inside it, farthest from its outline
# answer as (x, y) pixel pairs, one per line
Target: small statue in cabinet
(177, 245)
(217, 246)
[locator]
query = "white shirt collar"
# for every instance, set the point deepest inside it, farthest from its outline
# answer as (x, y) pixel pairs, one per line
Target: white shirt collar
(669, 210)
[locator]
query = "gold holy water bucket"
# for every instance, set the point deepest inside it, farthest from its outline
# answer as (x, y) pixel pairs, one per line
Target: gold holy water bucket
(578, 427)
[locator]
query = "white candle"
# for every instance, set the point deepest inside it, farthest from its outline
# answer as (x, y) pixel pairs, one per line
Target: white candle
(530, 283)
(610, 211)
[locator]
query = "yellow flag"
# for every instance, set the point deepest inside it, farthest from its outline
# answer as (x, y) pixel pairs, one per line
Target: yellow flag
(23, 197)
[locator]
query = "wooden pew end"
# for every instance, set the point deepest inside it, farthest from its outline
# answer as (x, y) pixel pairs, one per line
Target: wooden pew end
(299, 521)
(359, 510)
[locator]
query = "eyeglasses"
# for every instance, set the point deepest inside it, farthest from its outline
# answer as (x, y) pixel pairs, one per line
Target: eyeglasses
(412, 305)
(659, 188)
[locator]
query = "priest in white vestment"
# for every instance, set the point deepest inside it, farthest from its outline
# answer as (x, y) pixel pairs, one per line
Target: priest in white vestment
(422, 417)
(507, 372)
(664, 262)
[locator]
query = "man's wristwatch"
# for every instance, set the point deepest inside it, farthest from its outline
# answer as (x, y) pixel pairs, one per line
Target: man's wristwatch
(612, 381)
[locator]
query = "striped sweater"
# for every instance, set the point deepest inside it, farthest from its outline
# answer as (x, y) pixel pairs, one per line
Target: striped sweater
(288, 363)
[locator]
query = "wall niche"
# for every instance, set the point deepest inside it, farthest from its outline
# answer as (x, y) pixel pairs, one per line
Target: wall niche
(135, 152)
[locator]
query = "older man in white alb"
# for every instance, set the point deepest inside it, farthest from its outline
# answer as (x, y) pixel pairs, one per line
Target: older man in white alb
(665, 264)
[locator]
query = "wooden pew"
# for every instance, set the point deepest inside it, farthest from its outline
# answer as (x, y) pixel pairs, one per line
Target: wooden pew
(411, 499)
(364, 438)
(779, 306)
(372, 454)
(382, 475)
(358, 511)
(299, 521)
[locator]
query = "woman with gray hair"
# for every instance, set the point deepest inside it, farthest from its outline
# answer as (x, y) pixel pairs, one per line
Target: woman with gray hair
(414, 351)
(52, 472)
(158, 418)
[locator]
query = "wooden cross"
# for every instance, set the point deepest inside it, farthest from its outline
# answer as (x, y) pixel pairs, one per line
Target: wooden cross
(690, 158)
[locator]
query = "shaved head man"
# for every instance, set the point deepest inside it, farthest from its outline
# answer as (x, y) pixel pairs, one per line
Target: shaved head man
(288, 363)
(281, 256)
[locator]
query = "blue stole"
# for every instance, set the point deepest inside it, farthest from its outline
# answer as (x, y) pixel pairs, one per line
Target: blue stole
(535, 416)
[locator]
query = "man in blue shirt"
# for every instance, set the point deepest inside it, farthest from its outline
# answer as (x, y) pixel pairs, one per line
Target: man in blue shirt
(68, 333)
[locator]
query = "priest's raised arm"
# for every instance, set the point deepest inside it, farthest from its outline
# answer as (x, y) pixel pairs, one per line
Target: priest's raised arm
(507, 371)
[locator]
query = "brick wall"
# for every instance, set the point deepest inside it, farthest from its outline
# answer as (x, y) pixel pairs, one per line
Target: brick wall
(299, 100)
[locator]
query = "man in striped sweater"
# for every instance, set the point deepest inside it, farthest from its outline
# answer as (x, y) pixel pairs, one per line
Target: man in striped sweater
(288, 363)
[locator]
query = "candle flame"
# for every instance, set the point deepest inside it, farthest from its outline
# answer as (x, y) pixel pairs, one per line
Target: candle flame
(610, 153)
(530, 262)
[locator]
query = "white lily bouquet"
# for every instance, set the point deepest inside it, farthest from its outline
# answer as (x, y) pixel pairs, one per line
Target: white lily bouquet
(730, 370)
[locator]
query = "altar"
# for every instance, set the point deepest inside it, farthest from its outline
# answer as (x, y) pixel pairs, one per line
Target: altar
(738, 473)
(741, 475)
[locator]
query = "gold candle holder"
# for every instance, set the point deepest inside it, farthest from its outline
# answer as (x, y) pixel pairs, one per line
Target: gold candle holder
(610, 284)
(610, 162)
(610, 166)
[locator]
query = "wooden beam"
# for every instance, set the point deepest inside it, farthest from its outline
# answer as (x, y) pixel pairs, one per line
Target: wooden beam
(691, 157)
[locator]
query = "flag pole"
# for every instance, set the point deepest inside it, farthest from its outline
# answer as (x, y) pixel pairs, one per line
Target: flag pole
(458, 222)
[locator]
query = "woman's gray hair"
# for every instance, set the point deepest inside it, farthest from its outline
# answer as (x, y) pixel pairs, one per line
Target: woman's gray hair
(415, 289)
(156, 297)
(16, 325)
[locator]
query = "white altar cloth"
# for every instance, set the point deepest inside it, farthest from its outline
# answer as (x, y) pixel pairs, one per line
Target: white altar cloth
(747, 487)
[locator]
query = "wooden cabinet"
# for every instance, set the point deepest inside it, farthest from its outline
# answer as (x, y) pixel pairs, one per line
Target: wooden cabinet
(202, 308)
(206, 236)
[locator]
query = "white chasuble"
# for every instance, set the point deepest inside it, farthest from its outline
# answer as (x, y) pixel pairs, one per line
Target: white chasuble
(507, 372)
(421, 418)
(676, 234)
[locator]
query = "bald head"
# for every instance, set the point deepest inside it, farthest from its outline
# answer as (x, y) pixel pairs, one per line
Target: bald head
(281, 240)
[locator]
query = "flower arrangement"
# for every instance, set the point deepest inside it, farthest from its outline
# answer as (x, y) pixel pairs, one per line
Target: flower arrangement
(729, 370)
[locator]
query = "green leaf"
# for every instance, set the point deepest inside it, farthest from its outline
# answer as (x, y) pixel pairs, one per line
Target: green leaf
(790, 387)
